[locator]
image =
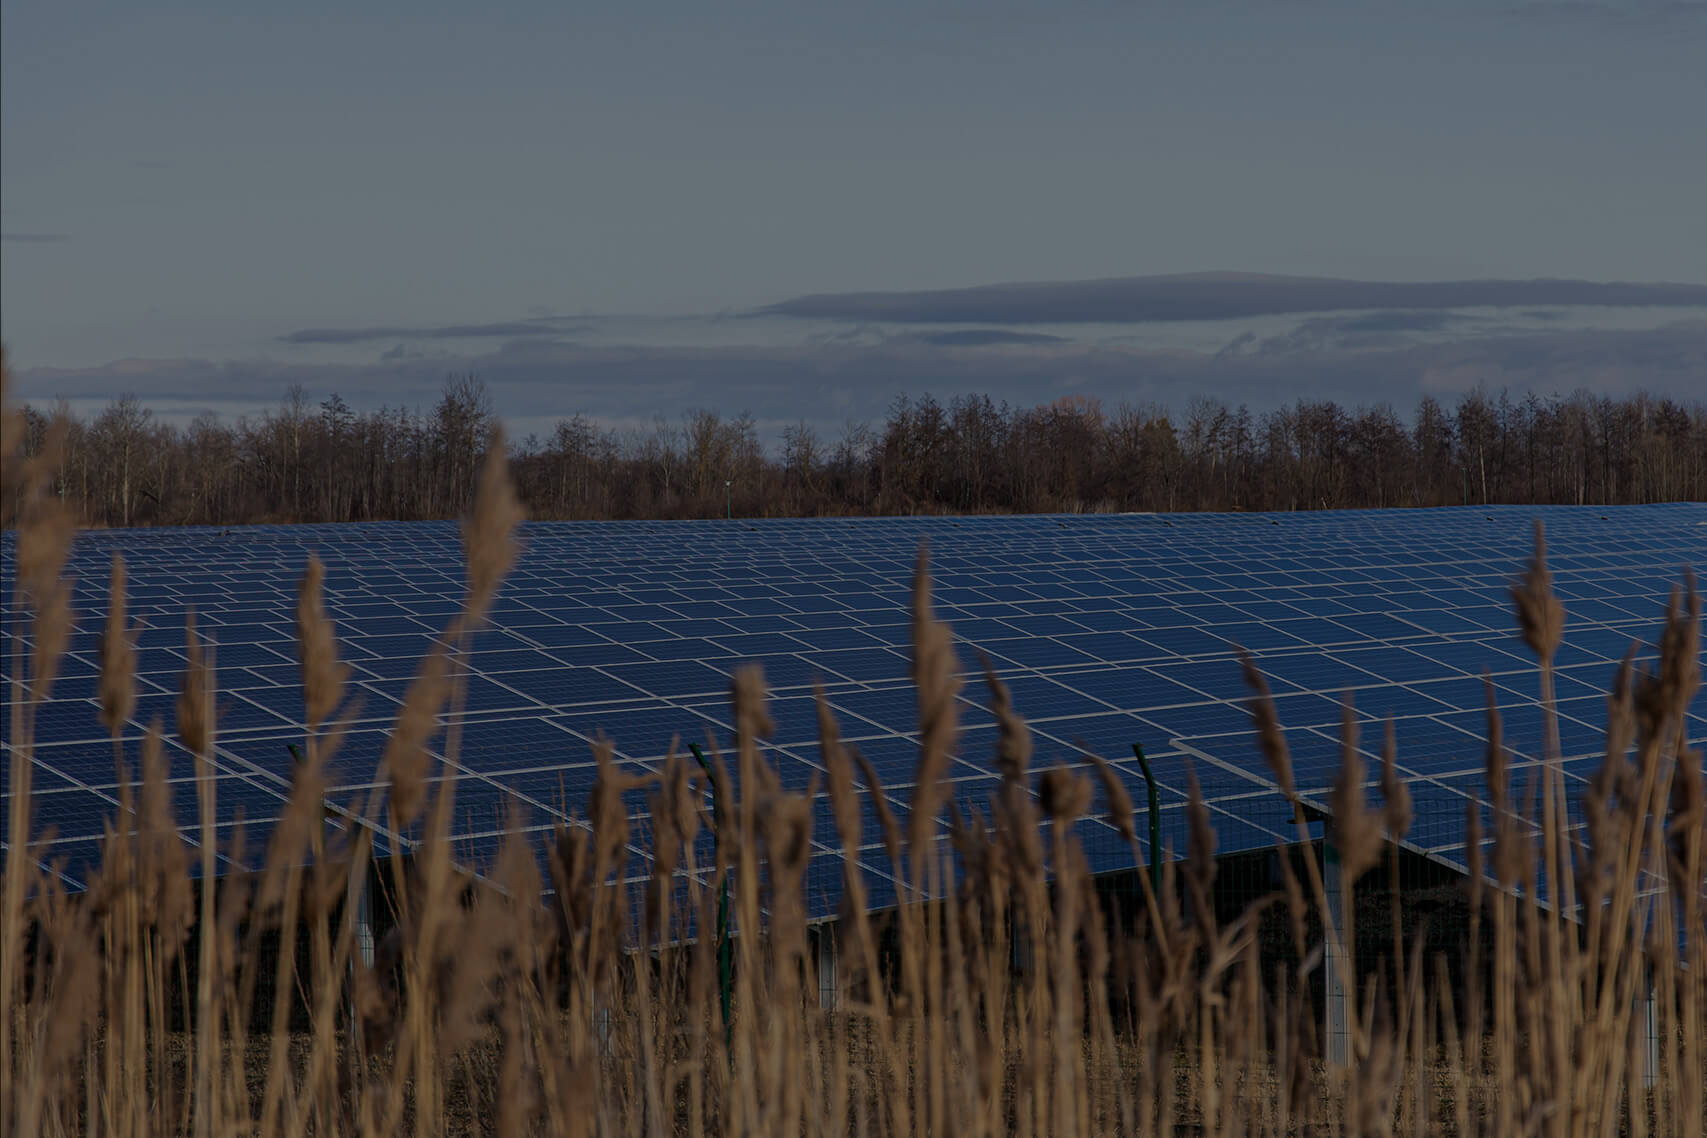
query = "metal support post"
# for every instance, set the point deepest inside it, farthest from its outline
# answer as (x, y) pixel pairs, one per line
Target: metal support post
(1155, 811)
(829, 989)
(1336, 959)
(1649, 1021)
(364, 920)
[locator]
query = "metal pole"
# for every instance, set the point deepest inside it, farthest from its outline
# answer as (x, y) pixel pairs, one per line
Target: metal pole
(1337, 960)
(829, 984)
(360, 912)
(1650, 1018)
(728, 500)
(1155, 819)
(725, 950)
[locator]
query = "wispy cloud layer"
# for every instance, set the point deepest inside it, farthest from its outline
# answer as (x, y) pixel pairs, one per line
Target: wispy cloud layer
(36, 238)
(535, 381)
(981, 338)
(500, 331)
(1217, 296)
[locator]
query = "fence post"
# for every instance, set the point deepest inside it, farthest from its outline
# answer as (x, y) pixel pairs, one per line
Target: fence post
(359, 897)
(1155, 804)
(1650, 1021)
(364, 919)
(829, 984)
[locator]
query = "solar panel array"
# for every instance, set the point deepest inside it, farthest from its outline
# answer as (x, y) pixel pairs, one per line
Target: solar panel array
(1109, 629)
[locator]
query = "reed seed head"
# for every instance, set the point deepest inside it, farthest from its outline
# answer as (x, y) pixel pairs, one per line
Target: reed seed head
(1621, 716)
(681, 799)
(489, 533)
(571, 866)
(1064, 795)
(1270, 737)
(168, 901)
(661, 811)
(323, 676)
(1114, 794)
(1396, 811)
(1687, 822)
(605, 807)
(785, 827)
(1357, 833)
(749, 695)
(1013, 738)
(1664, 694)
(839, 779)
(406, 761)
(46, 532)
(937, 684)
(118, 656)
(1540, 615)
(886, 823)
(195, 693)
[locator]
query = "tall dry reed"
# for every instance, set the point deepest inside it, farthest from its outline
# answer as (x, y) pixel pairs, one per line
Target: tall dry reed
(1002, 996)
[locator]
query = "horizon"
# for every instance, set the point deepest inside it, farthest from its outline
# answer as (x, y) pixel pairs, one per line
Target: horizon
(803, 214)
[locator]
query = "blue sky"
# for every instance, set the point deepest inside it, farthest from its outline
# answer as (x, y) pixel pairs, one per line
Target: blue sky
(187, 187)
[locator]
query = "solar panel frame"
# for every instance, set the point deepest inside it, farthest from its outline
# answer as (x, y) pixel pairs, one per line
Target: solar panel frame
(1109, 630)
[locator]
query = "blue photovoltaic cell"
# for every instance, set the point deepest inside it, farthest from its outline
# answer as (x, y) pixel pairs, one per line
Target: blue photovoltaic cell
(877, 710)
(857, 664)
(1108, 630)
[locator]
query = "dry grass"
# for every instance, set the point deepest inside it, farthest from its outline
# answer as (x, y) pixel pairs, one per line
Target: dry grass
(149, 1006)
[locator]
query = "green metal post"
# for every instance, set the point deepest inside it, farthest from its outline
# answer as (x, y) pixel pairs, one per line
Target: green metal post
(1155, 819)
(725, 950)
(728, 500)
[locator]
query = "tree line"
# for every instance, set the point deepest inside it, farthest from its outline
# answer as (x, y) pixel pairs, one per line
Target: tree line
(306, 461)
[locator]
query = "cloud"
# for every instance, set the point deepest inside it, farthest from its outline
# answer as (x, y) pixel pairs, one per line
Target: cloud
(1398, 321)
(1362, 332)
(1216, 296)
(1237, 345)
(36, 238)
(860, 335)
(442, 332)
(538, 348)
(536, 381)
(982, 338)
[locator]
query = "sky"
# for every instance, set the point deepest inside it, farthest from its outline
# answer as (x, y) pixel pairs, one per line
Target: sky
(627, 210)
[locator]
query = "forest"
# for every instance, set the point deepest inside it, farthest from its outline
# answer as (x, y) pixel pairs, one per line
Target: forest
(315, 462)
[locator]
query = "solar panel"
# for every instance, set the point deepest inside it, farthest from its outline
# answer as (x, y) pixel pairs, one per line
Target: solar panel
(1108, 629)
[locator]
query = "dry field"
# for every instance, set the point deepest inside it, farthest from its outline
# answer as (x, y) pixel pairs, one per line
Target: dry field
(999, 998)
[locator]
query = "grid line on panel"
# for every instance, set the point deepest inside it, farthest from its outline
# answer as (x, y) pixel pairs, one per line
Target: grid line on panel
(1109, 629)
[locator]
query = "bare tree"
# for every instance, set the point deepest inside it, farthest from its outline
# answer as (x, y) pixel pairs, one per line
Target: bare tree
(118, 434)
(333, 462)
(462, 422)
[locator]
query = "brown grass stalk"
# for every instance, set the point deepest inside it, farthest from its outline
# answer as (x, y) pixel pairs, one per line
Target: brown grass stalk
(1004, 995)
